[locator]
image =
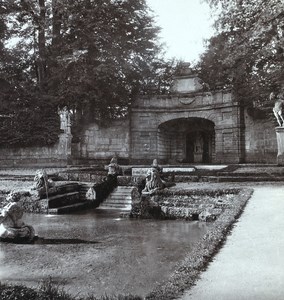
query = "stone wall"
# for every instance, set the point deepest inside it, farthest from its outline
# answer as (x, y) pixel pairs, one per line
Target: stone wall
(158, 127)
(202, 205)
(56, 156)
(104, 142)
(260, 140)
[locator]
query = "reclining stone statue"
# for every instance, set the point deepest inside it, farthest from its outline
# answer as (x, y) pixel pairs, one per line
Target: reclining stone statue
(12, 227)
(42, 183)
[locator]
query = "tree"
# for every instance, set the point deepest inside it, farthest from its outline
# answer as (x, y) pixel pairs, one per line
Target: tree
(248, 49)
(91, 56)
(26, 117)
(159, 79)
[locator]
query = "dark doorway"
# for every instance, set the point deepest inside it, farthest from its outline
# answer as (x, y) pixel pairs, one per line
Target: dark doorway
(198, 147)
(190, 138)
(206, 148)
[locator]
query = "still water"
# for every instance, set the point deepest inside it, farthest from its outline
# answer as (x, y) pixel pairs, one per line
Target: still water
(99, 253)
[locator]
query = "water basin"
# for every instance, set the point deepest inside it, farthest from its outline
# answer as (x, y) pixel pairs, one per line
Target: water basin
(99, 253)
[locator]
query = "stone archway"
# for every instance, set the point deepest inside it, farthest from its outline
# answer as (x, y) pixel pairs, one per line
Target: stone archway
(186, 140)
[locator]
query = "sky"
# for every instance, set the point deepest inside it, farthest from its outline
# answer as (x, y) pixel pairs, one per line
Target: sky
(185, 24)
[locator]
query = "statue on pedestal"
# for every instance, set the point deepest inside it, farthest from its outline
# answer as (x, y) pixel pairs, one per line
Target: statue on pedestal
(65, 119)
(277, 109)
(12, 227)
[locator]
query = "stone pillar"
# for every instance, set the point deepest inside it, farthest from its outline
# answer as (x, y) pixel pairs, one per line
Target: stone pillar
(280, 144)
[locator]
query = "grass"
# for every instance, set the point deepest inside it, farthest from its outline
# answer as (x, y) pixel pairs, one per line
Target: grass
(188, 270)
(48, 290)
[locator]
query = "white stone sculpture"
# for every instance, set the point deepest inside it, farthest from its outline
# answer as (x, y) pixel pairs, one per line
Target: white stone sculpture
(277, 109)
(12, 227)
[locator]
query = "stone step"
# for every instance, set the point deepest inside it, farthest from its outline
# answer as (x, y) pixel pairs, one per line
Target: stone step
(116, 203)
(124, 189)
(125, 192)
(61, 200)
(62, 189)
(118, 196)
(119, 207)
(69, 208)
(120, 199)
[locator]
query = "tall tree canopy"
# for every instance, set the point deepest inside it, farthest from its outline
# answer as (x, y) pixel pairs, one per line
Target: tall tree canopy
(247, 50)
(89, 55)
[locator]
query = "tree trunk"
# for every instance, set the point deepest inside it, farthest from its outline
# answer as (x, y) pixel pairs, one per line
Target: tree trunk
(56, 24)
(41, 63)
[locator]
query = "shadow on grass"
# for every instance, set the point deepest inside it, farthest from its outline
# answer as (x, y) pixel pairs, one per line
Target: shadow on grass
(44, 241)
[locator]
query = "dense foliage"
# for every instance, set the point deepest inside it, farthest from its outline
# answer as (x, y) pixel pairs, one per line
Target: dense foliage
(91, 56)
(247, 51)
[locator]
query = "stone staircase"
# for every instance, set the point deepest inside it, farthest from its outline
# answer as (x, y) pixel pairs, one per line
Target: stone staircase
(67, 198)
(119, 199)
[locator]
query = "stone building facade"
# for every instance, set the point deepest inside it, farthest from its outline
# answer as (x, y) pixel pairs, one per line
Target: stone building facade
(189, 126)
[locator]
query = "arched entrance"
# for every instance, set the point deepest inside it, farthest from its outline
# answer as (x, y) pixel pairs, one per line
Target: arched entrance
(186, 140)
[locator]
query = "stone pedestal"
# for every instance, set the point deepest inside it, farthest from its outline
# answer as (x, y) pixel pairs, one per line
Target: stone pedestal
(280, 144)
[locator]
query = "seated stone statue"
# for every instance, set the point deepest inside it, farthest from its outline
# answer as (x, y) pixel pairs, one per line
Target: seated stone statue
(156, 166)
(113, 167)
(12, 227)
(153, 181)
